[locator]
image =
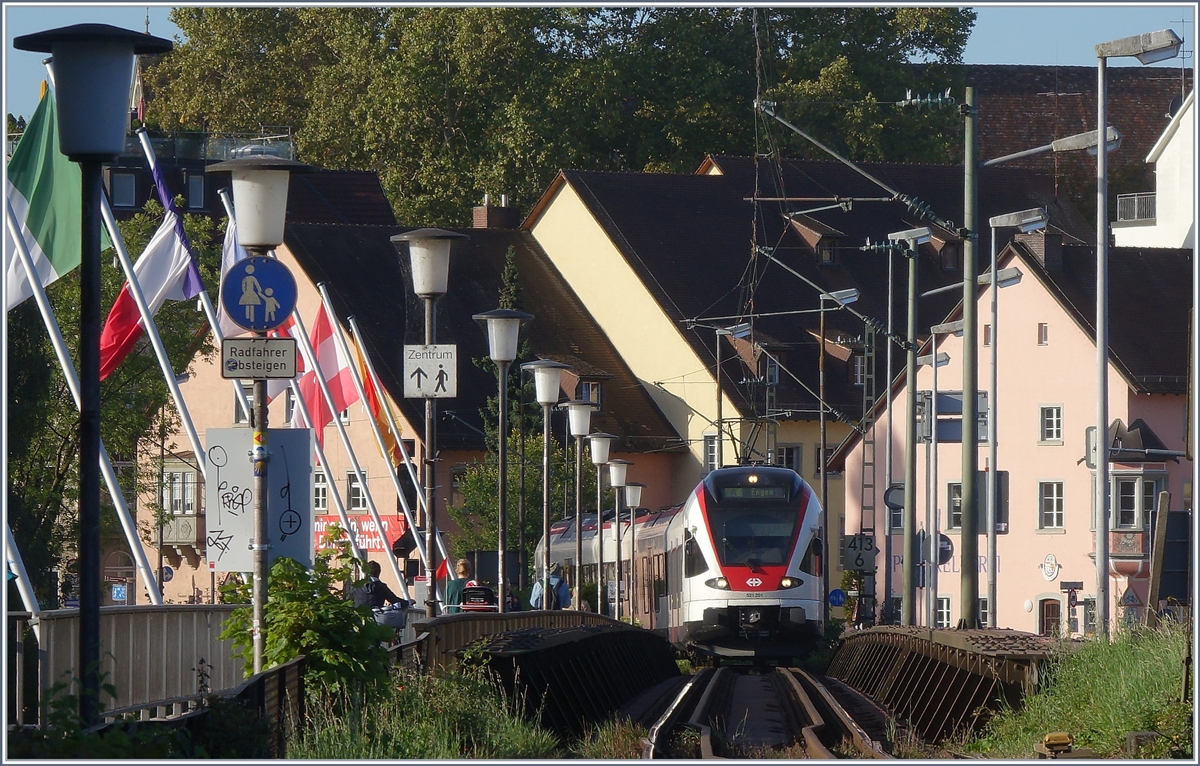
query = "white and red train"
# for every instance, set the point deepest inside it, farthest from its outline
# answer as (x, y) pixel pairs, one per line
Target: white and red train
(734, 571)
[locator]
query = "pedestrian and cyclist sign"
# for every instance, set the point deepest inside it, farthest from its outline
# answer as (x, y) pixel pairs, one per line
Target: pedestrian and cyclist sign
(431, 372)
(258, 293)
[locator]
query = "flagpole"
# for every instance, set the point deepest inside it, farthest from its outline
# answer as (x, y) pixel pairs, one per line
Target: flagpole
(151, 329)
(340, 337)
(408, 462)
(209, 312)
(28, 597)
(310, 359)
(332, 485)
(68, 368)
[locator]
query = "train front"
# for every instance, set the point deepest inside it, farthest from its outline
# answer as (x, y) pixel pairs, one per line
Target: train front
(757, 529)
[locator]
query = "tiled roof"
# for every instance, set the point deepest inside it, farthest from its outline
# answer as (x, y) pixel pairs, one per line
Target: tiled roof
(1149, 298)
(368, 280)
(690, 239)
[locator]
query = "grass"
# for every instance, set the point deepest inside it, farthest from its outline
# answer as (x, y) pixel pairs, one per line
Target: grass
(1099, 693)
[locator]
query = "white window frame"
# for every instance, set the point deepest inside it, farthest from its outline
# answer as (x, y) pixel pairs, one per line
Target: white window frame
(1043, 336)
(238, 417)
(1052, 491)
(356, 494)
(344, 416)
(790, 456)
(944, 616)
(320, 491)
(1144, 496)
(289, 404)
(710, 452)
(954, 505)
(983, 611)
(179, 491)
(589, 391)
(987, 335)
(1050, 424)
(858, 370)
(771, 372)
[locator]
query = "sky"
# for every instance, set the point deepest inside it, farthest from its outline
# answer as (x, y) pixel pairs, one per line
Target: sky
(1037, 34)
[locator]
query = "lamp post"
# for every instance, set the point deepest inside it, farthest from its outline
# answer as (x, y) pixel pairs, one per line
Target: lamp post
(934, 360)
(503, 328)
(633, 498)
(94, 73)
(429, 256)
(579, 419)
(841, 298)
(617, 470)
(1027, 221)
(1147, 48)
(600, 447)
(260, 190)
(547, 383)
(912, 239)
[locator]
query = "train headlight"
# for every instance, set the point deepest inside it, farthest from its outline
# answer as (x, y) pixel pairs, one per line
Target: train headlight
(720, 583)
(790, 582)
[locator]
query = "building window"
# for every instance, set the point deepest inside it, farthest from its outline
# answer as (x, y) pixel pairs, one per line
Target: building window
(952, 256)
(124, 189)
(320, 492)
(954, 507)
(896, 518)
(710, 452)
(983, 611)
(195, 195)
(344, 416)
(1051, 424)
(179, 491)
(826, 251)
(771, 372)
(789, 457)
(1089, 616)
(1043, 334)
(289, 405)
(943, 612)
(987, 335)
(239, 415)
(1149, 499)
(858, 370)
(356, 496)
(589, 391)
(1050, 501)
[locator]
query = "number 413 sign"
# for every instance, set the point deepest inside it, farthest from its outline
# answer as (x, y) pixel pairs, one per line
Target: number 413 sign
(859, 552)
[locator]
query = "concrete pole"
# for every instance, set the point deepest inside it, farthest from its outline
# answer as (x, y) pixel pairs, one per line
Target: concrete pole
(1101, 503)
(993, 475)
(888, 616)
(826, 532)
(908, 598)
(969, 609)
(502, 520)
(430, 473)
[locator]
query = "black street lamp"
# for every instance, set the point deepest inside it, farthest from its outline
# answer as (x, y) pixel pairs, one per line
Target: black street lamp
(93, 66)
(503, 328)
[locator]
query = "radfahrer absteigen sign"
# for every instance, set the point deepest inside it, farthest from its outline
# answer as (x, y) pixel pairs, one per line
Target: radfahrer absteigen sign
(431, 372)
(254, 358)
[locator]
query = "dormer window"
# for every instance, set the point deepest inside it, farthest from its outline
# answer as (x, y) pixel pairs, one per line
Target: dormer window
(771, 372)
(589, 391)
(827, 251)
(952, 256)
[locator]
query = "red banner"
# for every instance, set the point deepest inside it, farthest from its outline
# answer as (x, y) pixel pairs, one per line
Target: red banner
(363, 530)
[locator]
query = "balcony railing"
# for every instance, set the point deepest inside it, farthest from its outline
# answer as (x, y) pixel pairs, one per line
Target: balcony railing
(1136, 207)
(193, 145)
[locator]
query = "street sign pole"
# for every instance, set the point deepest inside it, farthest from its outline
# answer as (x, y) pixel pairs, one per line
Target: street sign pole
(259, 282)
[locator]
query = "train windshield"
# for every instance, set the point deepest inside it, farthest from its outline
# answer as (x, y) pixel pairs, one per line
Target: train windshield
(754, 537)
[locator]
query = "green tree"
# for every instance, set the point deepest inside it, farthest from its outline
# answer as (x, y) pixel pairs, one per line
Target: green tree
(448, 104)
(43, 461)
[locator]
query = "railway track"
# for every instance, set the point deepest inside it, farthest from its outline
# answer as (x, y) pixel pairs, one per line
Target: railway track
(733, 712)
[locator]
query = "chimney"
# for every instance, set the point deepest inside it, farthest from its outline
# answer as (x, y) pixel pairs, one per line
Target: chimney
(488, 216)
(1046, 246)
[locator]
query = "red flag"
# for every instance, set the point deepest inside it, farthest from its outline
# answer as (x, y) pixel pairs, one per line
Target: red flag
(375, 405)
(442, 571)
(335, 369)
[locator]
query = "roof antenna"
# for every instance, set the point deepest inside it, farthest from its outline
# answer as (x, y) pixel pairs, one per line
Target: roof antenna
(147, 19)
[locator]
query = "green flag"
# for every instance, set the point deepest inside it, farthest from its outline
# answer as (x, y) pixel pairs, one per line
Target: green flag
(44, 193)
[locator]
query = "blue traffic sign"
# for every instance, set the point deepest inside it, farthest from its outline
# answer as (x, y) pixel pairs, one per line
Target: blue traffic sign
(837, 597)
(258, 293)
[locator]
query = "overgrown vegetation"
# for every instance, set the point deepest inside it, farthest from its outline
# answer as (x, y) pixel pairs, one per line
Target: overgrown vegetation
(1099, 693)
(308, 612)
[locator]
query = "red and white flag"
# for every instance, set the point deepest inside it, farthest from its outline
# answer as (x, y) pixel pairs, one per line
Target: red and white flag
(231, 253)
(164, 271)
(276, 386)
(334, 367)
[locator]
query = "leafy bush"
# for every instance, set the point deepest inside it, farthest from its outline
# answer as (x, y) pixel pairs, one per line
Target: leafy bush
(308, 614)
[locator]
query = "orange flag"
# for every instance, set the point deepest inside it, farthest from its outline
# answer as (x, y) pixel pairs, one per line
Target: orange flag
(375, 405)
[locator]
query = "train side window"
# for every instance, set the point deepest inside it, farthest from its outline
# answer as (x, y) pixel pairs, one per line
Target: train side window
(693, 559)
(812, 557)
